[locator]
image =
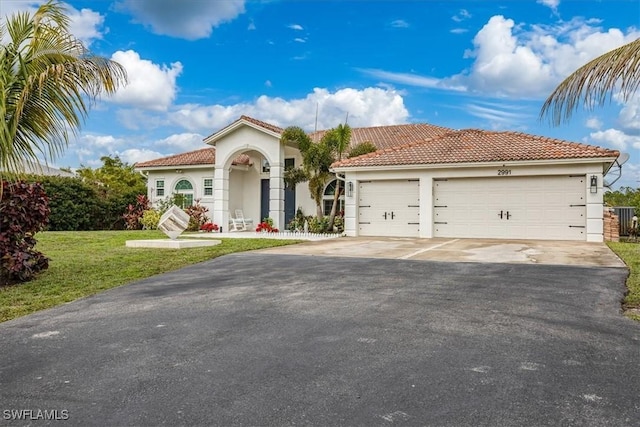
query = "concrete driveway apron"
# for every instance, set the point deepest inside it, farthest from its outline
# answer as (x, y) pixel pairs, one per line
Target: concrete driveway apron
(461, 250)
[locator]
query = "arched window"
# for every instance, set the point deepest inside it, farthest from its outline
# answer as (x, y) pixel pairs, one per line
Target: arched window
(184, 190)
(327, 198)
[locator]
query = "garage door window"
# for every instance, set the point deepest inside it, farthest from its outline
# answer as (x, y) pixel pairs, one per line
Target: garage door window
(327, 198)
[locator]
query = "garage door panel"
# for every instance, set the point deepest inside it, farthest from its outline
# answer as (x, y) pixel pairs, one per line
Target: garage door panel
(550, 207)
(389, 208)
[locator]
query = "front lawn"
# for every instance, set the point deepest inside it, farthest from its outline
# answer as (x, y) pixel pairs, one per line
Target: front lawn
(87, 262)
(630, 254)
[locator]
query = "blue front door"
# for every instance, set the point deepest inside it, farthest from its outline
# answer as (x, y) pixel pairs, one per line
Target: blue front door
(264, 199)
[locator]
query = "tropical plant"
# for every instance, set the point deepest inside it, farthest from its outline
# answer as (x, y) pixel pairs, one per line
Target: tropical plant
(23, 212)
(593, 83)
(134, 212)
(48, 80)
(317, 158)
(338, 140)
(197, 215)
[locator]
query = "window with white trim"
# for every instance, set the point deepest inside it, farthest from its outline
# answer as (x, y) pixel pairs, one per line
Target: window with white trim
(159, 187)
(327, 198)
(208, 187)
(184, 190)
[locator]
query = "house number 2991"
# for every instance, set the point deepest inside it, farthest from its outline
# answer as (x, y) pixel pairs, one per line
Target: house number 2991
(502, 172)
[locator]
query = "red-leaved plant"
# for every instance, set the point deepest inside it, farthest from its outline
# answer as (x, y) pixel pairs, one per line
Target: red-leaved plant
(24, 210)
(209, 227)
(266, 227)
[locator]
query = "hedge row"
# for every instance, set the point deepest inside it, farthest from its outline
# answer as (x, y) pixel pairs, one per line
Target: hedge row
(78, 206)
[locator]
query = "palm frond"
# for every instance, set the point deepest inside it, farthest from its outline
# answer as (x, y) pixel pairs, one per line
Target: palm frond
(48, 81)
(593, 84)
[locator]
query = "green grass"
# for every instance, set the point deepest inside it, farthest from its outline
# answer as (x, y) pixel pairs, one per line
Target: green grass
(85, 263)
(630, 254)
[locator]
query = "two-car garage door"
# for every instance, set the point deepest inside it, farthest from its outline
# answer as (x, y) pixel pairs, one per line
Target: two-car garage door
(536, 207)
(551, 207)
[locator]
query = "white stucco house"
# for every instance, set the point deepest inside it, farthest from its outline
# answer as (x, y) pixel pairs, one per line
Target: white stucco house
(424, 181)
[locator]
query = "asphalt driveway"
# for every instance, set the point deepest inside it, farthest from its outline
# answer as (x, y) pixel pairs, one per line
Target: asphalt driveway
(259, 339)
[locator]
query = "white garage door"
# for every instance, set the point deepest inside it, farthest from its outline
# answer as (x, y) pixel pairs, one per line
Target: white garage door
(388, 208)
(550, 207)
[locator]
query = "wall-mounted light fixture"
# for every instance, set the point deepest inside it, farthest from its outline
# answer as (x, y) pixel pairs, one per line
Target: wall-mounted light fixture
(266, 167)
(349, 189)
(594, 184)
(178, 170)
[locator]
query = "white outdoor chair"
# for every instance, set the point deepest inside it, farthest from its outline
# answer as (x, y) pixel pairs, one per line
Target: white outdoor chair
(240, 223)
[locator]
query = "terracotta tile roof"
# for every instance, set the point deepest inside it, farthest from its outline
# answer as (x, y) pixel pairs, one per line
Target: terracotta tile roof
(473, 145)
(204, 156)
(268, 126)
(392, 135)
(264, 125)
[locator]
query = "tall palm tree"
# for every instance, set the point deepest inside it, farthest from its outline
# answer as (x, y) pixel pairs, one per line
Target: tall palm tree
(48, 80)
(593, 83)
(339, 141)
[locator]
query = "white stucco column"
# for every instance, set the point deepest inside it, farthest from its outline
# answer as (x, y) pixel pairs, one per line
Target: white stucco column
(221, 197)
(276, 195)
(350, 205)
(595, 208)
(426, 204)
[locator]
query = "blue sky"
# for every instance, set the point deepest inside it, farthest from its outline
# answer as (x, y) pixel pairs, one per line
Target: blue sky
(195, 66)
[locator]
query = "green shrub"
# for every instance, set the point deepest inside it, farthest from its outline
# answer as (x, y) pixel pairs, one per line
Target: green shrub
(150, 219)
(317, 225)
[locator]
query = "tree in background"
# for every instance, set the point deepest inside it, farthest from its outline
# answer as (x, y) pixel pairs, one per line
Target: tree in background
(118, 185)
(593, 83)
(48, 79)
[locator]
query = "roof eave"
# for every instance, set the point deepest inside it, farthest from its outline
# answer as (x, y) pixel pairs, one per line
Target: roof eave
(148, 168)
(477, 164)
(212, 139)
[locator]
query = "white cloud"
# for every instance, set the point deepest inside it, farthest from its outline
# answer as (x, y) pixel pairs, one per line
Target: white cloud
(497, 115)
(629, 117)
(99, 141)
(615, 138)
(593, 123)
(299, 40)
(268, 83)
(399, 23)
(296, 27)
(553, 4)
(366, 107)
(510, 60)
(411, 79)
(134, 155)
(85, 24)
(150, 86)
(188, 19)
(251, 26)
(183, 141)
(459, 30)
(462, 15)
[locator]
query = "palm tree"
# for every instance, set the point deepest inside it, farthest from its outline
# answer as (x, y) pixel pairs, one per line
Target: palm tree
(48, 79)
(338, 140)
(593, 83)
